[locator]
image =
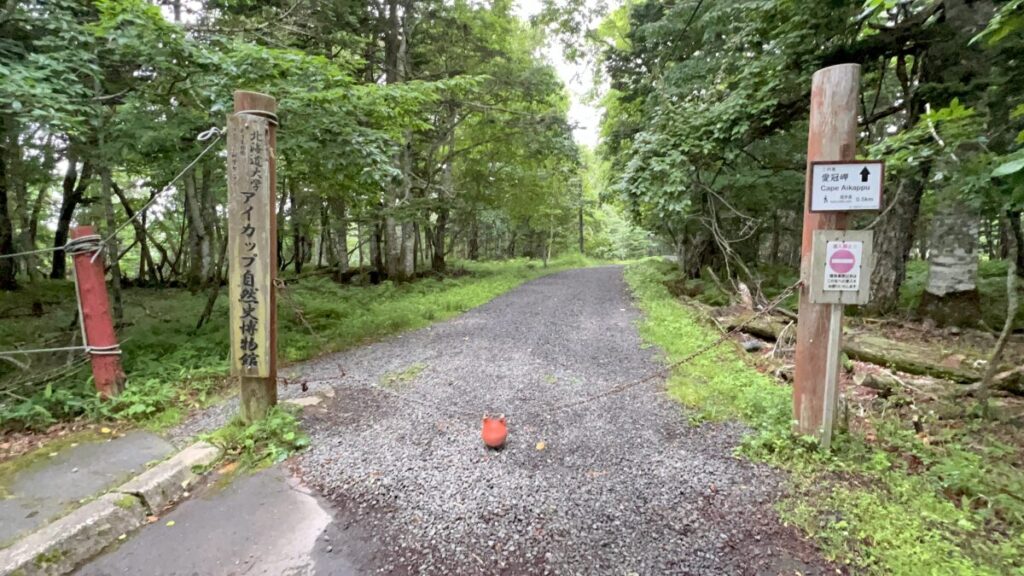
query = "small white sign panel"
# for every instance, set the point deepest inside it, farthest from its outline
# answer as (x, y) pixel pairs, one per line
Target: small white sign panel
(843, 265)
(840, 267)
(845, 186)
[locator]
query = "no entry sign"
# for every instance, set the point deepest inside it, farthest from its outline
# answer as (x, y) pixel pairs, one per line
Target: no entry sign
(843, 260)
(840, 266)
(843, 265)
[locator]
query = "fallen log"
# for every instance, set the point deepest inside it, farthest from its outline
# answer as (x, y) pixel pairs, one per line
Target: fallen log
(1008, 381)
(907, 357)
(904, 357)
(885, 384)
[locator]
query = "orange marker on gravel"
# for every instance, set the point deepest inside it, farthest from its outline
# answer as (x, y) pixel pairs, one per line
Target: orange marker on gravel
(494, 431)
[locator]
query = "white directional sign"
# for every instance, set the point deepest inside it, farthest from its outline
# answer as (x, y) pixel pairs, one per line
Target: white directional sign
(845, 186)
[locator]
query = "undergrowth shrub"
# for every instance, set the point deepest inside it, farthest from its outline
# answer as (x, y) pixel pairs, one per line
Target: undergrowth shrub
(268, 441)
(173, 368)
(899, 504)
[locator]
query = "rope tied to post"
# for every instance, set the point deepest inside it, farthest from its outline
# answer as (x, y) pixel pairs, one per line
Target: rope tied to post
(213, 133)
(84, 244)
(95, 244)
(88, 244)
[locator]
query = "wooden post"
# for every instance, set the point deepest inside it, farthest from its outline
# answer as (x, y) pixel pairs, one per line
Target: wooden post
(832, 136)
(252, 250)
(94, 314)
(832, 351)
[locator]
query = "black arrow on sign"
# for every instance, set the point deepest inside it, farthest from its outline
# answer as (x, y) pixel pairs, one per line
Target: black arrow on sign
(864, 174)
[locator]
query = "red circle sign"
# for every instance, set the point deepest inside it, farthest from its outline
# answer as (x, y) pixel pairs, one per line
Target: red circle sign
(842, 261)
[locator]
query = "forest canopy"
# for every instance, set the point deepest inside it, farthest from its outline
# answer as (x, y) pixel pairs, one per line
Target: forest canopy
(705, 127)
(409, 132)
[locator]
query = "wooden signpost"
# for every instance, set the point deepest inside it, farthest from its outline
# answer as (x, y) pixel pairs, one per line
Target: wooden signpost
(832, 136)
(252, 250)
(835, 264)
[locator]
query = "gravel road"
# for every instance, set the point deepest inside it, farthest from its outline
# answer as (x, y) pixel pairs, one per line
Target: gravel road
(623, 485)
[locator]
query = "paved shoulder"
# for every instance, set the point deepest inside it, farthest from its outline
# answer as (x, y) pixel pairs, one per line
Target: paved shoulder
(260, 524)
(50, 486)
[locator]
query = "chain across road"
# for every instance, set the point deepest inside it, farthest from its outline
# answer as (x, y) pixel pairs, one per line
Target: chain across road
(613, 390)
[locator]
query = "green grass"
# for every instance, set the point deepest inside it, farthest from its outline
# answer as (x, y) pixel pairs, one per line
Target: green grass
(172, 369)
(895, 505)
(262, 443)
(399, 378)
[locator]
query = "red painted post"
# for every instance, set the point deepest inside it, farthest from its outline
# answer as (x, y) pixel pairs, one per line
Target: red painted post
(97, 324)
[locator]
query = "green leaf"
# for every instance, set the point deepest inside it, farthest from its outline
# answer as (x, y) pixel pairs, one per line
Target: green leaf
(1008, 168)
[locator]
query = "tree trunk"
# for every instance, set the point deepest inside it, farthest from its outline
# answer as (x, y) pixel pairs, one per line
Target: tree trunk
(474, 239)
(1013, 219)
(376, 255)
(8, 266)
(894, 237)
(392, 246)
(951, 295)
(437, 261)
(393, 75)
(326, 240)
(281, 204)
(694, 251)
(73, 187)
(359, 246)
(211, 222)
(112, 247)
(417, 246)
(408, 251)
(23, 214)
(776, 238)
(547, 244)
(340, 235)
(32, 233)
(298, 240)
(582, 251)
(199, 239)
(139, 224)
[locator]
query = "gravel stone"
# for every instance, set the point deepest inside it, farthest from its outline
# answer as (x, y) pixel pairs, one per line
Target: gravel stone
(624, 485)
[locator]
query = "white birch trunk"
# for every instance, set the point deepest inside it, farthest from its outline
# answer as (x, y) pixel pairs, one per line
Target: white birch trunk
(953, 254)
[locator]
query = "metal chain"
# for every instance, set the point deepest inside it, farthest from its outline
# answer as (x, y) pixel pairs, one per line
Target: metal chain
(618, 388)
(689, 357)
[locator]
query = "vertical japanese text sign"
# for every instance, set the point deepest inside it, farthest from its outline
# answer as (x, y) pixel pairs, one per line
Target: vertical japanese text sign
(249, 249)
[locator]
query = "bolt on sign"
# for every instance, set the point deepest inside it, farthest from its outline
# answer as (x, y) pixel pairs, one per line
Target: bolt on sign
(249, 244)
(846, 186)
(841, 266)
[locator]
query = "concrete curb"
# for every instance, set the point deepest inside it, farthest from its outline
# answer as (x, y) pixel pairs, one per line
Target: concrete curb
(165, 483)
(62, 545)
